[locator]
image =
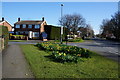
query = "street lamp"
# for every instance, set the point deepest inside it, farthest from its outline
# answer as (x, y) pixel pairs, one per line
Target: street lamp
(61, 23)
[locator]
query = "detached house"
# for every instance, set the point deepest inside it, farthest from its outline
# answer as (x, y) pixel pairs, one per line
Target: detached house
(5, 23)
(34, 29)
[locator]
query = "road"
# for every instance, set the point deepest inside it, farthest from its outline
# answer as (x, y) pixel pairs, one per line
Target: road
(106, 48)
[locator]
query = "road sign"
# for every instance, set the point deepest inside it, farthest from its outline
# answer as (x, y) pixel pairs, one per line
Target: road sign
(61, 30)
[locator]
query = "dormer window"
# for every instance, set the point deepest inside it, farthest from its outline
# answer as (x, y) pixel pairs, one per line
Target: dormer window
(37, 26)
(17, 26)
(24, 25)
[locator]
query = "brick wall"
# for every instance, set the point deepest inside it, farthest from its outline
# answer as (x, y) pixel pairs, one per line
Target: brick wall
(7, 25)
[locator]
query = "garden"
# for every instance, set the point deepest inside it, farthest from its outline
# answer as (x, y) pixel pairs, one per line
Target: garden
(64, 53)
(53, 60)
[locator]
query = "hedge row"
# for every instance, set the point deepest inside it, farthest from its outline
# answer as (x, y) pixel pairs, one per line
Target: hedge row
(5, 34)
(53, 32)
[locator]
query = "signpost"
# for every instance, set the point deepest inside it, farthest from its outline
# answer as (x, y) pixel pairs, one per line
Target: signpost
(61, 23)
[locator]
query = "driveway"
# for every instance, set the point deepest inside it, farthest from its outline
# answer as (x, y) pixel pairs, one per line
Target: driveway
(15, 64)
(106, 48)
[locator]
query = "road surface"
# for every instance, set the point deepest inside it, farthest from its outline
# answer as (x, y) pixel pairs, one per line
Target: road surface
(106, 48)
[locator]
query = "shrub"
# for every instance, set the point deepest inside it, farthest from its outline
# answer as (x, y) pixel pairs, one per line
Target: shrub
(54, 32)
(18, 37)
(76, 40)
(5, 35)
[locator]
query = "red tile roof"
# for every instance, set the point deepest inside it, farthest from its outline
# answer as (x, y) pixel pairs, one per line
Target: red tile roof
(29, 22)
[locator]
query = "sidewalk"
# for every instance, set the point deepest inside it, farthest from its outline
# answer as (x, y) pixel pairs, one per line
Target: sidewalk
(14, 63)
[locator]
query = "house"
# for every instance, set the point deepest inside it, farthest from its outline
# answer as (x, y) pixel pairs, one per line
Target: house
(5, 23)
(34, 29)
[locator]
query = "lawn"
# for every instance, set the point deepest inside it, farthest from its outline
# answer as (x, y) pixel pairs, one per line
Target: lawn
(95, 67)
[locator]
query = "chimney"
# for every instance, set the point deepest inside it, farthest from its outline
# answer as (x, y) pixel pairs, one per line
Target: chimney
(18, 19)
(42, 18)
(2, 18)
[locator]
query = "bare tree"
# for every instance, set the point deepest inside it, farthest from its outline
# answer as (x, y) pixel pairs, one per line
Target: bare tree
(111, 26)
(86, 31)
(72, 22)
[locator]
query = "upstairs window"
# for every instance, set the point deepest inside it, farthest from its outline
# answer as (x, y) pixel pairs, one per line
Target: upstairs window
(24, 26)
(29, 26)
(17, 26)
(37, 26)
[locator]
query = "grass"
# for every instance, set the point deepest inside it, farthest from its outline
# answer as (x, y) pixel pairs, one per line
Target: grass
(95, 67)
(17, 40)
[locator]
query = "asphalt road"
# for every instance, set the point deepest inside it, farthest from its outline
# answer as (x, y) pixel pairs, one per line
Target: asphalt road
(106, 48)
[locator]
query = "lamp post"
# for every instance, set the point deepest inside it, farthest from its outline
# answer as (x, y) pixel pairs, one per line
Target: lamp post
(61, 23)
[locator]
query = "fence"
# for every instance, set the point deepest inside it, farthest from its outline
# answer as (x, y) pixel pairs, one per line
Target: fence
(1, 43)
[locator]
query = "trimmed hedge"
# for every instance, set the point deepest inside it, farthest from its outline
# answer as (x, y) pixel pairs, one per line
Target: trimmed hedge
(53, 32)
(5, 34)
(18, 37)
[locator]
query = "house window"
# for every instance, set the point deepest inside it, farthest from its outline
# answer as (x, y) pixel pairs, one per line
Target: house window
(24, 26)
(17, 26)
(35, 34)
(29, 26)
(21, 32)
(37, 26)
(26, 32)
(16, 33)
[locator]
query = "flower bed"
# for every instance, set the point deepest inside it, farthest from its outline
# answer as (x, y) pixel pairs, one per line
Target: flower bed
(64, 53)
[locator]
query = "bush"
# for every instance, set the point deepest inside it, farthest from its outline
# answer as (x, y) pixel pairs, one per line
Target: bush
(64, 53)
(5, 35)
(76, 40)
(54, 32)
(18, 37)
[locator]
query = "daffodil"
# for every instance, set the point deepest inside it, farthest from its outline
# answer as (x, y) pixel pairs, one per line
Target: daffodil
(64, 54)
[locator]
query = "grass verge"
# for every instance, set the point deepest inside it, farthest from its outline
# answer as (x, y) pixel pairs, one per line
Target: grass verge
(95, 67)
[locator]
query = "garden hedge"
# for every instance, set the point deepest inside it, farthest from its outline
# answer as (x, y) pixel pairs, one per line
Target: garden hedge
(5, 34)
(54, 32)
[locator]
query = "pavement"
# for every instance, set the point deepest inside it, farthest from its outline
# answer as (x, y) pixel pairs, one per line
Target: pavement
(106, 48)
(15, 64)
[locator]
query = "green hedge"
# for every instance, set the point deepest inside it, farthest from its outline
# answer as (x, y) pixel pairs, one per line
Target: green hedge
(54, 32)
(5, 34)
